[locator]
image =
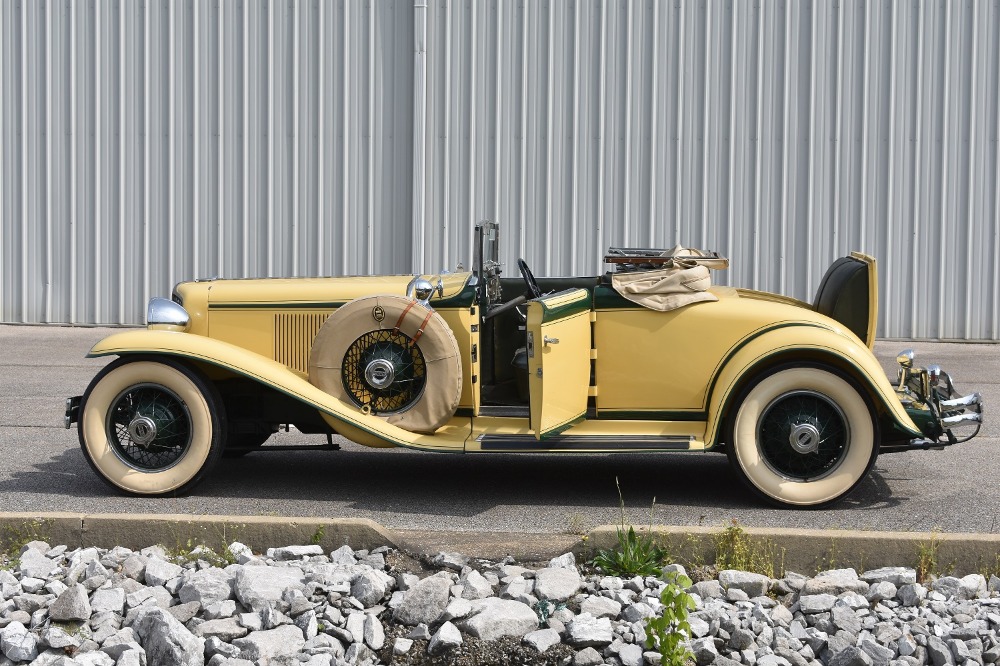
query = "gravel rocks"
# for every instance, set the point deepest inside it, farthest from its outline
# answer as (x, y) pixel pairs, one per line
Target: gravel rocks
(298, 605)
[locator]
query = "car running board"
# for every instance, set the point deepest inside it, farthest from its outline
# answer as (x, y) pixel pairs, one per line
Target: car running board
(584, 443)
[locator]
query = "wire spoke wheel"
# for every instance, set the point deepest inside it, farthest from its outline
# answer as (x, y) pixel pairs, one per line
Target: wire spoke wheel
(149, 428)
(803, 435)
(384, 370)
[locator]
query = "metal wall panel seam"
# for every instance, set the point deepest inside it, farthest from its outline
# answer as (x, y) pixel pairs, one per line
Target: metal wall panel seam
(549, 124)
(95, 90)
(446, 195)
(4, 23)
(168, 205)
(970, 245)
(419, 127)
(321, 265)
(296, 89)
(245, 166)
(345, 252)
(865, 83)
(601, 100)
(24, 174)
(371, 136)
(915, 295)
(7, 151)
(195, 144)
(627, 157)
(812, 168)
(122, 170)
(73, 142)
(653, 135)
(838, 131)
(497, 106)
(220, 144)
(523, 139)
(48, 162)
(446, 259)
(730, 171)
(786, 149)
(706, 102)
(996, 191)
(890, 189)
(269, 128)
(758, 112)
(679, 127)
(942, 235)
(574, 148)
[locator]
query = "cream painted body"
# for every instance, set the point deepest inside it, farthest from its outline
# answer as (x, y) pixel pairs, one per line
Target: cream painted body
(654, 373)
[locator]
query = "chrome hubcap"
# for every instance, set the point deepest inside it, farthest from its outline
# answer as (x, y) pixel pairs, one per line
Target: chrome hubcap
(142, 430)
(380, 373)
(804, 438)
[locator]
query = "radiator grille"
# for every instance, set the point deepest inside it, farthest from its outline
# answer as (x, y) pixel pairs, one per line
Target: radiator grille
(293, 337)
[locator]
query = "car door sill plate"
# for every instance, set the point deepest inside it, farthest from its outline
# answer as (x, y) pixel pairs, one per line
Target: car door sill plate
(584, 443)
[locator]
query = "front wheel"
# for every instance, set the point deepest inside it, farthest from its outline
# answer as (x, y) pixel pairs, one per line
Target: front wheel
(151, 427)
(803, 436)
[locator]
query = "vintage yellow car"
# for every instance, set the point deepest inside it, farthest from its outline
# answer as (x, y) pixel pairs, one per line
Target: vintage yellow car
(645, 358)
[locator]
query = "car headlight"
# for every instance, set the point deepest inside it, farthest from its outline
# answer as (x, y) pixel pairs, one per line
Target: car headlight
(165, 315)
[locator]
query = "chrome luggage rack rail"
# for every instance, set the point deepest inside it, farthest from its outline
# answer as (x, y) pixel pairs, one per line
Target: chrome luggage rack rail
(631, 259)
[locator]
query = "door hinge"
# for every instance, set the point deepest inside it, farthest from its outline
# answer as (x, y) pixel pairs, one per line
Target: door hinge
(539, 373)
(475, 353)
(529, 346)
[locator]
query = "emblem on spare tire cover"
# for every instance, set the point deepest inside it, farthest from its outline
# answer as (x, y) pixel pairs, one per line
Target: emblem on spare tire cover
(378, 314)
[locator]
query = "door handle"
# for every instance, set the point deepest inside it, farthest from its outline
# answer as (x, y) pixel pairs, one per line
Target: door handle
(550, 341)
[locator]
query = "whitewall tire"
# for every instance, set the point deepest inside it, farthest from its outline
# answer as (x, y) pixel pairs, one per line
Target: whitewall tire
(802, 436)
(151, 427)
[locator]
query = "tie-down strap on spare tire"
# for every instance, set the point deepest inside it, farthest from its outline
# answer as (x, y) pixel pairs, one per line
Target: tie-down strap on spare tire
(392, 357)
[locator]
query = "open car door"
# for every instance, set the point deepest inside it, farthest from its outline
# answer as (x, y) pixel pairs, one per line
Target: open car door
(558, 346)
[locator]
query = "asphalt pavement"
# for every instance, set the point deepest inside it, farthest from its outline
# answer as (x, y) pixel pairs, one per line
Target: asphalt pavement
(43, 470)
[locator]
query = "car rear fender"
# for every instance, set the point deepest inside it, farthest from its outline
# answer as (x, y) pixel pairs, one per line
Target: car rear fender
(346, 419)
(805, 342)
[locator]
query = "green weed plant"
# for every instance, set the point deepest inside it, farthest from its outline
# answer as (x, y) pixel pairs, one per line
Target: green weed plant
(635, 555)
(666, 634)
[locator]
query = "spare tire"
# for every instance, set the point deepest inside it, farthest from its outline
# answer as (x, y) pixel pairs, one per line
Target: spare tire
(393, 357)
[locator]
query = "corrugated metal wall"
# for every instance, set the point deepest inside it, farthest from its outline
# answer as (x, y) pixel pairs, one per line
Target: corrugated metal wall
(146, 142)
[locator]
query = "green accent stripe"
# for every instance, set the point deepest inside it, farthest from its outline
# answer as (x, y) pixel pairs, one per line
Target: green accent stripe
(606, 298)
(286, 305)
(282, 305)
(553, 312)
(462, 299)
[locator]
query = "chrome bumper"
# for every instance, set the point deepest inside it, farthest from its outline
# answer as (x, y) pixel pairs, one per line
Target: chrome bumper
(929, 396)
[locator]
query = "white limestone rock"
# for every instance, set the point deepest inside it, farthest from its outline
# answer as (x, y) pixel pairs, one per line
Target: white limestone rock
(167, 641)
(262, 587)
(493, 618)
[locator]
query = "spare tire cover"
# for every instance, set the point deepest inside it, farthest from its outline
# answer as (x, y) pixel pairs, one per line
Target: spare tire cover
(393, 356)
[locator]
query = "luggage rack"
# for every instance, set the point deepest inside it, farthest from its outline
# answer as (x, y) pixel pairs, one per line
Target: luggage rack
(631, 259)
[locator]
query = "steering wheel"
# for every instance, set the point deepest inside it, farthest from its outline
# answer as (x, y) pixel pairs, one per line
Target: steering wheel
(533, 292)
(529, 279)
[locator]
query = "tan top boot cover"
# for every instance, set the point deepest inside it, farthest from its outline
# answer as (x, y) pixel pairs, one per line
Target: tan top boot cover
(666, 289)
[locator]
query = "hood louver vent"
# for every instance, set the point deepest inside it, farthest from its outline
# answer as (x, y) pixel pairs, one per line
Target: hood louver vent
(293, 338)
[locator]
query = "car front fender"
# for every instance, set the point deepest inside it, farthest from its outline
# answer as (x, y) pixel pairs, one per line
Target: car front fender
(346, 419)
(790, 343)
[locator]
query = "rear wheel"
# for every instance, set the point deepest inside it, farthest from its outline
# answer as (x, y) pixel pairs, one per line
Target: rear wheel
(151, 427)
(803, 436)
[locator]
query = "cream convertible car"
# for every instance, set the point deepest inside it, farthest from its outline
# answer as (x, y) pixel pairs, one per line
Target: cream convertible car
(646, 358)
